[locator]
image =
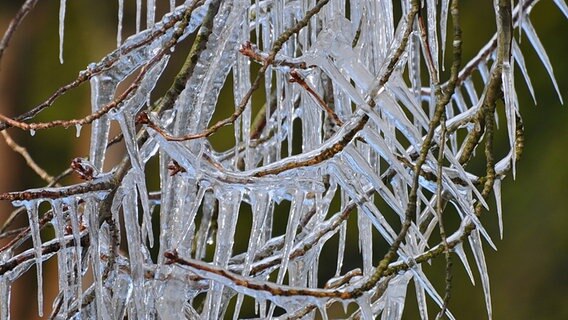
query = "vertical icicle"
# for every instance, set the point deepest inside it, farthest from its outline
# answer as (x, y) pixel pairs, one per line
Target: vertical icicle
(477, 248)
(497, 192)
(395, 297)
(103, 89)
(433, 33)
(414, 64)
(126, 121)
(172, 5)
(138, 15)
(241, 84)
(62, 5)
(5, 288)
(119, 28)
(293, 220)
(130, 212)
(76, 232)
(186, 221)
(365, 241)
(341, 248)
(511, 111)
(229, 204)
(150, 13)
(59, 223)
(260, 204)
(92, 214)
(443, 27)
(33, 218)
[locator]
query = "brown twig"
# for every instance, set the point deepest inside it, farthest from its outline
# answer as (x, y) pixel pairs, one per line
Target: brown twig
(297, 78)
(29, 160)
(105, 183)
(276, 47)
(14, 24)
(52, 247)
(250, 50)
(86, 75)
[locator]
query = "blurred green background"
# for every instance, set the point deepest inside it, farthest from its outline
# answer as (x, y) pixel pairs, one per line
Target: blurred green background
(529, 273)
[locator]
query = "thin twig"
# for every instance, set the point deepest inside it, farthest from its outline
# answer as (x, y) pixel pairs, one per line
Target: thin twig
(14, 24)
(297, 78)
(276, 47)
(115, 103)
(29, 160)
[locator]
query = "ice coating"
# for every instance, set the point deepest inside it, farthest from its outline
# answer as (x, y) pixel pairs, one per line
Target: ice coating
(295, 179)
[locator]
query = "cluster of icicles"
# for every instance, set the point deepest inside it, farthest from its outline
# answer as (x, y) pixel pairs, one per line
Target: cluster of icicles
(213, 187)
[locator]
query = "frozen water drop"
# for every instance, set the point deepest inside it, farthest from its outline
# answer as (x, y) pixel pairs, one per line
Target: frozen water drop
(78, 130)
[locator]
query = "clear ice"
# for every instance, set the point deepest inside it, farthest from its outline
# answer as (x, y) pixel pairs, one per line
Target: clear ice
(252, 220)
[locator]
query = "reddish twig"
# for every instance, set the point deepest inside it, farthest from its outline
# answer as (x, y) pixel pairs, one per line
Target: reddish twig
(15, 23)
(89, 73)
(250, 50)
(276, 47)
(297, 78)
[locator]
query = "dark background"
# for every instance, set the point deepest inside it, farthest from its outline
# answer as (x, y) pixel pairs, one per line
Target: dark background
(529, 277)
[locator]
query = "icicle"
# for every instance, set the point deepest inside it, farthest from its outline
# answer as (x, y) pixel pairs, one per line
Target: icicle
(538, 47)
(423, 281)
(62, 5)
(395, 296)
(341, 248)
(260, 203)
(209, 74)
(92, 214)
(228, 215)
(477, 248)
(187, 221)
(293, 220)
(483, 71)
(103, 89)
(135, 244)
(138, 15)
(32, 132)
(443, 27)
(421, 300)
(76, 232)
(120, 17)
(5, 288)
(521, 17)
(78, 130)
(458, 249)
(460, 101)
(497, 192)
(126, 121)
(150, 13)
(122, 289)
(204, 235)
(241, 84)
(59, 224)
(562, 6)
(364, 303)
(518, 55)
(470, 88)
(33, 218)
(414, 64)
(172, 5)
(433, 34)
(511, 110)
(365, 241)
